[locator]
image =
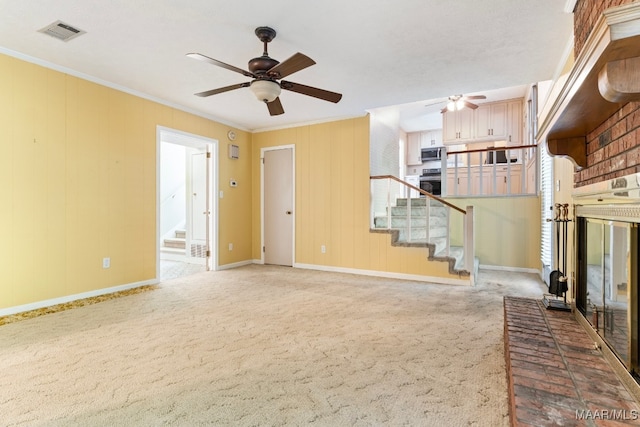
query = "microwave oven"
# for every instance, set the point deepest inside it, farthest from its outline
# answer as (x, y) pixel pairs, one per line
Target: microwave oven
(431, 154)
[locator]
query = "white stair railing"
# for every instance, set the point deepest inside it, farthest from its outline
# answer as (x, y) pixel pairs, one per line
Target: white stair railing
(465, 226)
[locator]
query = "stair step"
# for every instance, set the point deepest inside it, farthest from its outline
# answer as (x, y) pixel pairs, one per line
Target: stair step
(422, 201)
(181, 234)
(398, 222)
(420, 233)
(419, 211)
(175, 243)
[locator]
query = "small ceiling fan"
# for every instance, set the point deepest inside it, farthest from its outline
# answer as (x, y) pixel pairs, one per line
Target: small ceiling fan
(265, 72)
(458, 102)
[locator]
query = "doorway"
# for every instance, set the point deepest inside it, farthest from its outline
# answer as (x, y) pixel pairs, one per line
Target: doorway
(278, 215)
(186, 209)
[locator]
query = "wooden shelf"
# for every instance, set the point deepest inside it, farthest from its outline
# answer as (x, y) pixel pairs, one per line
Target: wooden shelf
(604, 77)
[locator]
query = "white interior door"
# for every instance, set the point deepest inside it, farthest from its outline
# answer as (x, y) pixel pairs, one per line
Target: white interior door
(278, 215)
(198, 236)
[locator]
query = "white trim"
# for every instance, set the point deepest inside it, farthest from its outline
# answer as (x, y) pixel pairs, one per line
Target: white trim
(570, 5)
(70, 298)
(236, 264)
(311, 122)
(513, 269)
(179, 137)
(386, 274)
(293, 198)
(115, 86)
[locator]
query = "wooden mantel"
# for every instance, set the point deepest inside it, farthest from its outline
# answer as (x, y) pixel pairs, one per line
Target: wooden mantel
(605, 76)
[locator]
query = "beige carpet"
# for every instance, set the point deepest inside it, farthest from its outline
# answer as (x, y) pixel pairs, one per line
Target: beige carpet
(263, 345)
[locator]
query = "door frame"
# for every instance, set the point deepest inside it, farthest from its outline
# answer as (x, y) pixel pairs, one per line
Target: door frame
(293, 198)
(187, 139)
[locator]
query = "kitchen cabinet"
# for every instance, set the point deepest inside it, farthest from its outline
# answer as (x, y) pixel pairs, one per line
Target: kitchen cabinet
(432, 138)
(414, 149)
(514, 123)
(461, 185)
(491, 121)
(457, 126)
(415, 181)
(474, 182)
(512, 178)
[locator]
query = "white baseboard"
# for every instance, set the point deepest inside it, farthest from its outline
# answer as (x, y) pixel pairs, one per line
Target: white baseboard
(386, 274)
(69, 298)
(514, 269)
(234, 265)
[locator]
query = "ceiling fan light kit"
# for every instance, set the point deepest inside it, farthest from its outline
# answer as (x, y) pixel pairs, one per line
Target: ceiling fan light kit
(265, 90)
(458, 102)
(266, 72)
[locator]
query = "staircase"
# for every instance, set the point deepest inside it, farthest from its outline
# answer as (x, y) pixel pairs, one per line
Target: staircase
(412, 231)
(177, 243)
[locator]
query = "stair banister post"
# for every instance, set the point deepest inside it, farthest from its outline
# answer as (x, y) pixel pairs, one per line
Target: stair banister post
(469, 242)
(408, 223)
(371, 203)
(388, 203)
(443, 171)
(448, 231)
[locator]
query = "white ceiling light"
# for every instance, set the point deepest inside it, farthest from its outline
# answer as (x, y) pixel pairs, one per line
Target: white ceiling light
(455, 103)
(265, 90)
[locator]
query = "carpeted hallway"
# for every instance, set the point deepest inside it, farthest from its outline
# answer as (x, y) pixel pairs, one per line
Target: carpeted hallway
(262, 345)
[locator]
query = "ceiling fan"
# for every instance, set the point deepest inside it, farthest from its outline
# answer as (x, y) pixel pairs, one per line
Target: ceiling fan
(265, 72)
(458, 102)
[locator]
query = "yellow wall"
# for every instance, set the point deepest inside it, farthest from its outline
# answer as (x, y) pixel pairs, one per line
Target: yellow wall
(332, 201)
(507, 230)
(78, 183)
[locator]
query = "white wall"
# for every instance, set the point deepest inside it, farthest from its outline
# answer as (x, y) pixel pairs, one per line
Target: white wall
(172, 187)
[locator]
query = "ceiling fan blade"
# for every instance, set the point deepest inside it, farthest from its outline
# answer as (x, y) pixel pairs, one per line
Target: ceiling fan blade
(470, 105)
(311, 91)
(222, 89)
(205, 58)
(275, 107)
(291, 65)
(435, 101)
(476, 97)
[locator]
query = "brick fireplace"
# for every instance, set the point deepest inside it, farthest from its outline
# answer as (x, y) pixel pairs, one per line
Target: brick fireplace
(595, 122)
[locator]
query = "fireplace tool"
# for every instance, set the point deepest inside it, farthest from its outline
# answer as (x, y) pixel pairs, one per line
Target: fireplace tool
(558, 280)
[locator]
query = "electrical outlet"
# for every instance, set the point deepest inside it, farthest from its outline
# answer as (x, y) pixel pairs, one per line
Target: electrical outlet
(230, 246)
(323, 249)
(106, 262)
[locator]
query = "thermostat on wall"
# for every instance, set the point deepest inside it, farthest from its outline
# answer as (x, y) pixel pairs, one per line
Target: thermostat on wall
(234, 151)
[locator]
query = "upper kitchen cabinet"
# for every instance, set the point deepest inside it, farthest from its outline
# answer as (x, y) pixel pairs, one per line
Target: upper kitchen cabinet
(515, 121)
(414, 149)
(432, 138)
(494, 121)
(491, 121)
(457, 126)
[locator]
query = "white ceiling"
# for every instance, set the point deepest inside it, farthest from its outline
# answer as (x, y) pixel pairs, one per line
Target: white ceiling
(376, 53)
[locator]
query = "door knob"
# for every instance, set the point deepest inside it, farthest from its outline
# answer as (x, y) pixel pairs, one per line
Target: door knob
(289, 212)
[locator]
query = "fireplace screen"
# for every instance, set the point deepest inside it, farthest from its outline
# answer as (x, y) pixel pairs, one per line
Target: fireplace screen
(607, 283)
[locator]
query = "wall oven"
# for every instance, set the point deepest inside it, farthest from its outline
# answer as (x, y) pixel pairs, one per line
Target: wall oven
(431, 181)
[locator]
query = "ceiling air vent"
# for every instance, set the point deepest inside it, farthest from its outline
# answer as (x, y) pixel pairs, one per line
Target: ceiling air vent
(61, 31)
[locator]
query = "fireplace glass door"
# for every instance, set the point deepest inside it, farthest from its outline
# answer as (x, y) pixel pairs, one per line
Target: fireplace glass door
(605, 268)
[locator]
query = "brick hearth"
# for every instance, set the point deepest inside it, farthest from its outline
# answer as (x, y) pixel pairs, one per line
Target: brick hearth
(555, 374)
